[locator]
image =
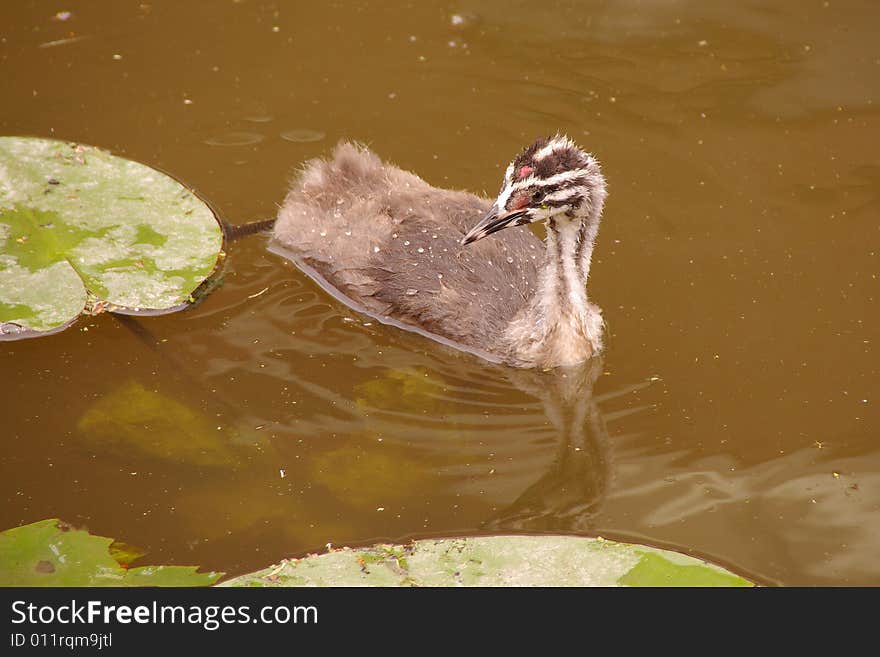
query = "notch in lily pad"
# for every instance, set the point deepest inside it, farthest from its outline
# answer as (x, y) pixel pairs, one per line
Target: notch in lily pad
(53, 553)
(83, 231)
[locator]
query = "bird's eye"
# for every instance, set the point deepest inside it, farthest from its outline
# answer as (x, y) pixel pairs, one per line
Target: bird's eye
(538, 196)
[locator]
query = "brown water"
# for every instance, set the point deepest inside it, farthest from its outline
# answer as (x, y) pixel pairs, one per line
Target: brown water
(735, 414)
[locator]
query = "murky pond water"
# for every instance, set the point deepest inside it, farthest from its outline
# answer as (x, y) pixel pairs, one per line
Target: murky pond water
(735, 412)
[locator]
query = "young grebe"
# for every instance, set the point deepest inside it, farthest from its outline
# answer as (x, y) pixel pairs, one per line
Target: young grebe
(393, 246)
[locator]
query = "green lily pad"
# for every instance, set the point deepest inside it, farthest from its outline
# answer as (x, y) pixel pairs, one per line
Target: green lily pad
(82, 230)
(496, 561)
(52, 553)
(655, 569)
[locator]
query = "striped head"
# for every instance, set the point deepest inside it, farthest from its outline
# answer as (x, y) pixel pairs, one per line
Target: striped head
(551, 179)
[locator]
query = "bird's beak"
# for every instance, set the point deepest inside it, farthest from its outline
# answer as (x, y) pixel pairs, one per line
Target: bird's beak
(492, 223)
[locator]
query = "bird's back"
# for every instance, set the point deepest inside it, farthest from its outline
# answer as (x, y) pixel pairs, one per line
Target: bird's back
(390, 243)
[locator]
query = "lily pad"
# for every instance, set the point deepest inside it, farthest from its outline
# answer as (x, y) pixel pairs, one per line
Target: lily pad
(82, 230)
(52, 553)
(496, 561)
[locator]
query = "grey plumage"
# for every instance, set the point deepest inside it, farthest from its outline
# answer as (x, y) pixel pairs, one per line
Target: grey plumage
(390, 244)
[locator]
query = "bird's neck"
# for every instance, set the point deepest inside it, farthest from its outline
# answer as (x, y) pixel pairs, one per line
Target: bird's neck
(569, 245)
(560, 326)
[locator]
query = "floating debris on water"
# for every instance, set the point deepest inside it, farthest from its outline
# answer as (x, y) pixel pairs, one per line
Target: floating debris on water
(235, 139)
(303, 136)
(64, 42)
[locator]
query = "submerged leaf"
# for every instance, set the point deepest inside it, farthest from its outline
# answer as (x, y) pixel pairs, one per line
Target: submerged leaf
(370, 476)
(243, 506)
(409, 389)
(133, 420)
(78, 224)
(52, 553)
(124, 553)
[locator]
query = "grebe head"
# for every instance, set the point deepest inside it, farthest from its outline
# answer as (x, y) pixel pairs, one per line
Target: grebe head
(551, 179)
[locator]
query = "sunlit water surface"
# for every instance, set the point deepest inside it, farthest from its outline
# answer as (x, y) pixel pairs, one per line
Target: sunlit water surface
(735, 413)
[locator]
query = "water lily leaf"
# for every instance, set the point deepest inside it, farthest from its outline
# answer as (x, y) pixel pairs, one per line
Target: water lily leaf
(369, 476)
(131, 420)
(124, 553)
(655, 569)
(495, 561)
(52, 553)
(83, 231)
(408, 389)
